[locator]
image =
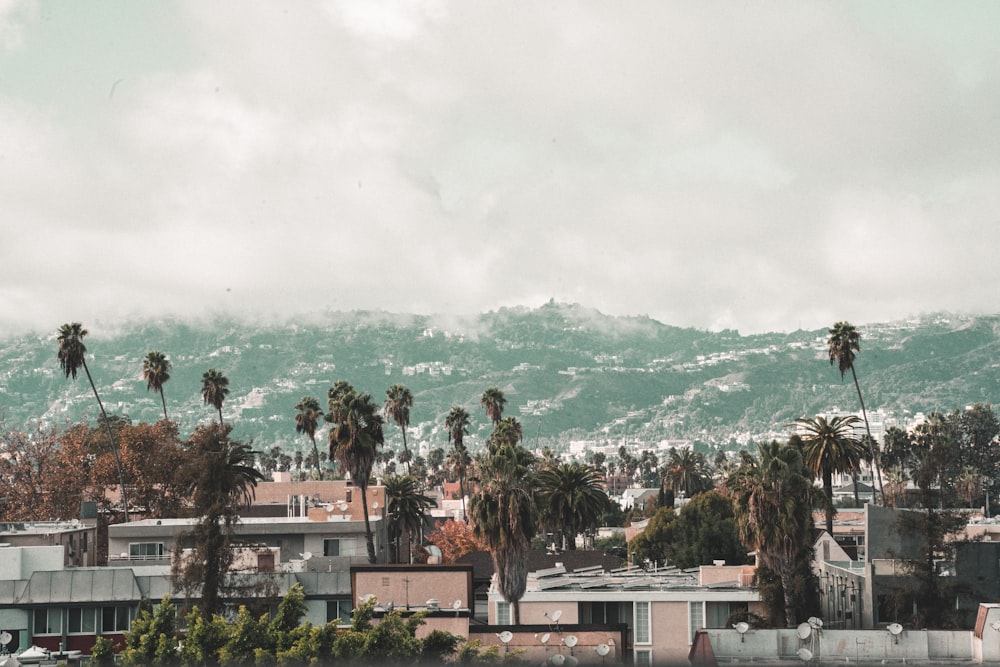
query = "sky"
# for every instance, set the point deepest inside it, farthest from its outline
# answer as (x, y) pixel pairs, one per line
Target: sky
(760, 166)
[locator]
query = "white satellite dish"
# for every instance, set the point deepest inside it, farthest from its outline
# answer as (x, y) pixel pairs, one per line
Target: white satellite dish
(557, 659)
(742, 627)
(456, 605)
(570, 641)
(571, 661)
(803, 630)
(307, 555)
(602, 649)
(375, 505)
(342, 506)
(805, 654)
(895, 628)
(506, 636)
(557, 614)
(368, 596)
(5, 637)
(545, 638)
(815, 622)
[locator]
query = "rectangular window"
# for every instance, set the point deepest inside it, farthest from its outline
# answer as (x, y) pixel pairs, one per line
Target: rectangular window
(339, 609)
(48, 621)
(81, 621)
(718, 613)
(145, 550)
(696, 618)
(644, 657)
(116, 619)
(642, 635)
(331, 547)
(503, 613)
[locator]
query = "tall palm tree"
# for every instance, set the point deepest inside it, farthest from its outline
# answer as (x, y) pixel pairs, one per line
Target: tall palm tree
(355, 438)
(843, 343)
(72, 356)
(398, 401)
(306, 421)
(156, 371)
(772, 505)
(457, 425)
(686, 471)
(493, 401)
(503, 515)
(214, 389)
(830, 447)
(407, 507)
(571, 499)
(507, 432)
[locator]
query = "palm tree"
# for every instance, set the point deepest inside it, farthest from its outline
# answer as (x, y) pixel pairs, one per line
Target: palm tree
(843, 343)
(493, 401)
(457, 424)
(572, 499)
(214, 389)
(503, 516)
(829, 447)
(398, 401)
(772, 505)
(156, 371)
(507, 432)
(306, 421)
(686, 472)
(355, 438)
(407, 507)
(72, 356)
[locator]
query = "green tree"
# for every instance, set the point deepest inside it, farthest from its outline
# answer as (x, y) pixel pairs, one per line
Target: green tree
(686, 472)
(398, 401)
(844, 341)
(503, 512)
(73, 356)
(223, 478)
(571, 500)
(307, 421)
(457, 425)
(828, 447)
(156, 371)
(772, 502)
(214, 389)
(407, 509)
(355, 438)
(152, 638)
(493, 402)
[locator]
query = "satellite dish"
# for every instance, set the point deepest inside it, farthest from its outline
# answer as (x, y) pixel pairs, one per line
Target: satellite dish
(815, 622)
(506, 636)
(307, 555)
(805, 654)
(557, 614)
(5, 637)
(545, 638)
(742, 627)
(895, 628)
(570, 641)
(342, 506)
(571, 661)
(390, 606)
(804, 630)
(602, 649)
(367, 597)
(557, 659)
(375, 505)
(456, 605)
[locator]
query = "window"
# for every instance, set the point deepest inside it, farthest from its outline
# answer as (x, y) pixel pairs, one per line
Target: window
(642, 623)
(503, 613)
(116, 619)
(339, 608)
(606, 613)
(48, 621)
(82, 621)
(331, 547)
(644, 657)
(696, 618)
(145, 550)
(265, 562)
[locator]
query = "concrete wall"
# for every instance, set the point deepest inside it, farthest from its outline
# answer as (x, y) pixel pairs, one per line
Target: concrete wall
(19, 562)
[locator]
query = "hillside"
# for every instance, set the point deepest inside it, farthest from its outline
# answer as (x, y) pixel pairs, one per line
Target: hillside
(568, 373)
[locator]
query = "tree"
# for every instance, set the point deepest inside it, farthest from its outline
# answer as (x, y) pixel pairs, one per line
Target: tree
(457, 425)
(306, 421)
(222, 480)
(571, 499)
(156, 371)
(455, 539)
(503, 512)
(355, 438)
(493, 402)
(844, 341)
(214, 389)
(72, 356)
(398, 401)
(407, 508)
(686, 471)
(828, 447)
(772, 504)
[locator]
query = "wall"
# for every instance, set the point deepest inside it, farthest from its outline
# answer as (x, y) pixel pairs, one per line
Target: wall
(19, 562)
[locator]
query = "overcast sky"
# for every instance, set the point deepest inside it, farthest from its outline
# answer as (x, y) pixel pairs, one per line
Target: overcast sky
(764, 166)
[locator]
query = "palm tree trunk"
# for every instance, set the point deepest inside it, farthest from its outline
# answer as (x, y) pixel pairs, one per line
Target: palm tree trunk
(111, 439)
(221, 423)
(368, 526)
(461, 492)
(868, 430)
(406, 449)
(319, 470)
(164, 400)
(828, 492)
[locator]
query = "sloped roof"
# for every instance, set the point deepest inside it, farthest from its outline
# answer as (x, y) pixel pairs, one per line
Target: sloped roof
(83, 585)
